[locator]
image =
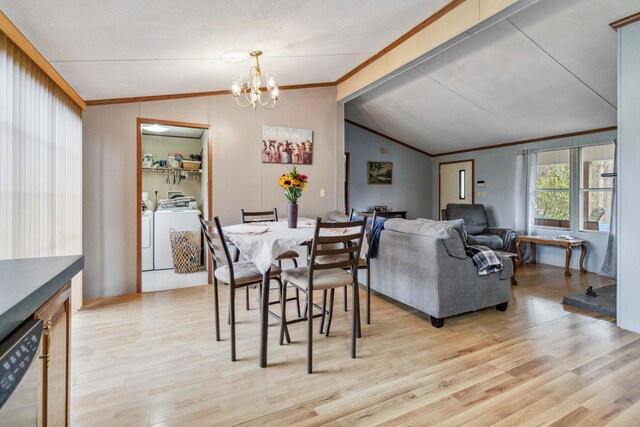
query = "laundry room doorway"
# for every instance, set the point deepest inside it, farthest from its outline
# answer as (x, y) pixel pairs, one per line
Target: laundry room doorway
(174, 186)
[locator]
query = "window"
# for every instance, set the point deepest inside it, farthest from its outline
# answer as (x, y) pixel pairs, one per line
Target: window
(571, 193)
(553, 189)
(596, 192)
(462, 181)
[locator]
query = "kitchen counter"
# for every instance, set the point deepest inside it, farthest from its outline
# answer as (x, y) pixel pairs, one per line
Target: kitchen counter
(26, 284)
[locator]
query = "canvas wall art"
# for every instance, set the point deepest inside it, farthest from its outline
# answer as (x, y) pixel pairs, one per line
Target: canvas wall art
(287, 145)
(380, 172)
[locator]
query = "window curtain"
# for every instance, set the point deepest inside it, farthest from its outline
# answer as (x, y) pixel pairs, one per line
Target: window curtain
(609, 266)
(40, 162)
(525, 197)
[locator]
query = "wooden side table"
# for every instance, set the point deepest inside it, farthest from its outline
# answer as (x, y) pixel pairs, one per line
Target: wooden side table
(568, 245)
(515, 260)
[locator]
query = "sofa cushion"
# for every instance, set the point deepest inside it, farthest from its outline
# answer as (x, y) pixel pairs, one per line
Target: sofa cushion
(450, 237)
(457, 224)
(491, 241)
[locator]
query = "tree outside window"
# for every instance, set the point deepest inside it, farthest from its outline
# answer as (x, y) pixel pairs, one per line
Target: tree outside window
(553, 184)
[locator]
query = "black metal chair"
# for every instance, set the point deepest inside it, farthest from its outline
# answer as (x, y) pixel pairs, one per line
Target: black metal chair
(326, 276)
(236, 275)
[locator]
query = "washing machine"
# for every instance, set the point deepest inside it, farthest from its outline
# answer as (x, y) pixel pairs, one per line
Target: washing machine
(147, 240)
(164, 221)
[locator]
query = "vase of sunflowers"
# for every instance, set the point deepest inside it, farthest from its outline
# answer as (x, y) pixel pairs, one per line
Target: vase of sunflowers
(293, 184)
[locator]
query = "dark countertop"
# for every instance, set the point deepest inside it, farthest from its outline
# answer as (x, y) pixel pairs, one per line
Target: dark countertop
(27, 283)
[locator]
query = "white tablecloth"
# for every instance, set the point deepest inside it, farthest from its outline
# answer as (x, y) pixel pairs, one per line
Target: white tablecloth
(264, 242)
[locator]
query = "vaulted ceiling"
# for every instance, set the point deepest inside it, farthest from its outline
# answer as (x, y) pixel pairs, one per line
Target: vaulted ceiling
(549, 69)
(125, 48)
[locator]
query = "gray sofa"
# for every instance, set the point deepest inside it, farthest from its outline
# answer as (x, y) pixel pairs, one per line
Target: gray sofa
(424, 265)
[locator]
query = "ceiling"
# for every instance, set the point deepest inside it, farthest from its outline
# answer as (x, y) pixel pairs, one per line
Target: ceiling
(124, 48)
(176, 131)
(549, 69)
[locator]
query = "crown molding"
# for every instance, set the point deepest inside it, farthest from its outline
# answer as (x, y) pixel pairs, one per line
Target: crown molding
(19, 39)
(625, 21)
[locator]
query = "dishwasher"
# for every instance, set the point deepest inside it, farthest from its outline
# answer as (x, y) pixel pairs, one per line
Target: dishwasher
(21, 375)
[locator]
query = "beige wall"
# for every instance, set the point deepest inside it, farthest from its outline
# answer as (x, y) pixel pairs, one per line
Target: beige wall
(240, 180)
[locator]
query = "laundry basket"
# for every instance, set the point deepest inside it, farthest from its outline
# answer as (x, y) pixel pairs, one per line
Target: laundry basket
(185, 248)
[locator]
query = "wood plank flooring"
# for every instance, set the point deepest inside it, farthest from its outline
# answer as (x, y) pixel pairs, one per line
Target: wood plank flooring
(152, 359)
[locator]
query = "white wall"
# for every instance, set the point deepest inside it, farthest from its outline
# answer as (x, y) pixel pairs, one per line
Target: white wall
(411, 188)
(240, 180)
(628, 176)
(497, 167)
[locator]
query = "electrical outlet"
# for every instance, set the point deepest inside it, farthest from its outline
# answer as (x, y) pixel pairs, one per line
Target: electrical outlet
(323, 192)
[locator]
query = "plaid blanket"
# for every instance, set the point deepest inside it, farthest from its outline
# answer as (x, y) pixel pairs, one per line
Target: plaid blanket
(487, 260)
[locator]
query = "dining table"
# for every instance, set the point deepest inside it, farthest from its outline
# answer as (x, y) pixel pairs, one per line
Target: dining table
(262, 243)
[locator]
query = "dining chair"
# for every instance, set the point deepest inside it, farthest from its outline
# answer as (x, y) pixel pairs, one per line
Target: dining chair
(235, 274)
(249, 217)
(364, 263)
(327, 276)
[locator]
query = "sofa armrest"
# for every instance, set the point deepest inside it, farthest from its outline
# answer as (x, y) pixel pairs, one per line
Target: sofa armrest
(507, 235)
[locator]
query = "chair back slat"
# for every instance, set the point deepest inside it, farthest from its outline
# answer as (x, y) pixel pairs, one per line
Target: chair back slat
(218, 247)
(335, 251)
(352, 244)
(338, 238)
(259, 216)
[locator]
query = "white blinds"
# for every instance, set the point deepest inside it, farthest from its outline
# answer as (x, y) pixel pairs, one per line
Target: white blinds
(40, 162)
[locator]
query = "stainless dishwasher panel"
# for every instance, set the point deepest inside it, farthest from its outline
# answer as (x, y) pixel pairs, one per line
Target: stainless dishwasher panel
(21, 375)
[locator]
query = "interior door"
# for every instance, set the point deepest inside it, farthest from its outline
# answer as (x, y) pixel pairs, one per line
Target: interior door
(456, 183)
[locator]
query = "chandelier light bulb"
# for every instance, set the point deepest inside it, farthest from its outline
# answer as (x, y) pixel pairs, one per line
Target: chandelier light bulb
(271, 80)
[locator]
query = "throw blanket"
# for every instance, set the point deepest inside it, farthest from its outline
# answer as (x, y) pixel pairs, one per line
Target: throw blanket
(487, 260)
(375, 236)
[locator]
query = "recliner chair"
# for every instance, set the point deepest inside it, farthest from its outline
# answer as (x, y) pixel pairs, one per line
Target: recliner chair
(477, 227)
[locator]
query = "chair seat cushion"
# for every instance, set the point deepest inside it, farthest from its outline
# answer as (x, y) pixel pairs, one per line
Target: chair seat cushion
(493, 242)
(327, 259)
(244, 272)
(288, 255)
(322, 279)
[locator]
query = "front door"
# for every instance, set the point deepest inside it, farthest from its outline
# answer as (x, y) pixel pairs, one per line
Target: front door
(456, 183)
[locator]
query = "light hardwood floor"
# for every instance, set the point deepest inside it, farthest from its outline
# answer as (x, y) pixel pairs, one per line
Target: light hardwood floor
(152, 360)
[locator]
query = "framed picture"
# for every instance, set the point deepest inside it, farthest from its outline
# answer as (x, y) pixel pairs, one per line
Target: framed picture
(287, 145)
(380, 172)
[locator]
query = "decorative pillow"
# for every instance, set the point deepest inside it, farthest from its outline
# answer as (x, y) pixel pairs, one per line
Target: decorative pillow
(447, 233)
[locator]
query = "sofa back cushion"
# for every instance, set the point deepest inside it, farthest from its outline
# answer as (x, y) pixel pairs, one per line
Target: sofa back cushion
(446, 232)
(474, 216)
(457, 224)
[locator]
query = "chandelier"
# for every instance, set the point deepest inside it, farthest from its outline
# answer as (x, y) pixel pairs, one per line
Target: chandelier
(252, 90)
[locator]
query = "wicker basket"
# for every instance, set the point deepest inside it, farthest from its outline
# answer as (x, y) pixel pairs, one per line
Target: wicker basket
(185, 248)
(191, 164)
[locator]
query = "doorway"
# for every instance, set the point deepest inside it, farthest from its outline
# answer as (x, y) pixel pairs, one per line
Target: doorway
(456, 183)
(174, 187)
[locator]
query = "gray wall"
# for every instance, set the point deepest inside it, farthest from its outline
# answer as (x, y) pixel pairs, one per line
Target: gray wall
(240, 180)
(497, 167)
(411, 188)
(629, 176)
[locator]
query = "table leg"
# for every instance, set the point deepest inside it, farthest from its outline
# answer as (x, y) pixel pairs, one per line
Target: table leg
(533, 252)
(583, 253)
(264, 318)
(518, 252)
(567, 261)
(515, 268)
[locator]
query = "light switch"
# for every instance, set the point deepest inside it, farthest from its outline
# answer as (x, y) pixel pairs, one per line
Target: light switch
(481, 194)
(323, 192)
